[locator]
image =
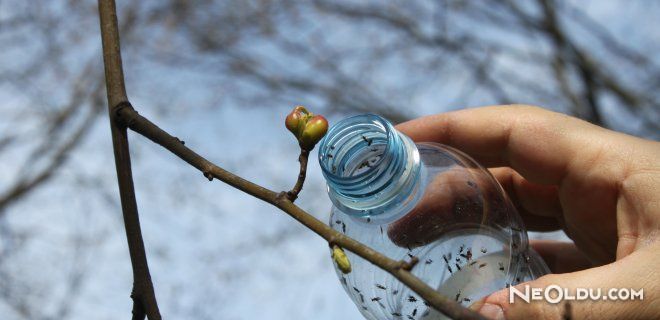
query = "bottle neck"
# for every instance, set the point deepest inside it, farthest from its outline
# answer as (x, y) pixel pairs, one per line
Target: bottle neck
(372, 170)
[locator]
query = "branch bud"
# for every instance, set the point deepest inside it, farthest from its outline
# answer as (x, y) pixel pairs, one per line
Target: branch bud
(296, 120)
(306, 127)
(314, 130)
(341, 259)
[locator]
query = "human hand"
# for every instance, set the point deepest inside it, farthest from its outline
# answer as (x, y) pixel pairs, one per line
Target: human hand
(599, 186)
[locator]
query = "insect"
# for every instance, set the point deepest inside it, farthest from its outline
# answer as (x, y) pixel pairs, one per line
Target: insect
(458, 267)
(412, 299)
(501, 266)
(461, 249)
(473, 262)
(343, 227)
(483, 250)
(445, 258)
(469, 254)
(368, 141)
(464, 256)
(482, 265)
(329, 156)
(332, 147)
(428, 261)
(356, 289)
(376, 299)
(411, 318)
(410, 255)
(381, 230)
(426, 303)
(414, 313)
(466, 299)
(395, 292)
(362, 298)
(368, 219)
(380, 286)
(396, 314)
(458, 295)
(334, 169)
(449, 268)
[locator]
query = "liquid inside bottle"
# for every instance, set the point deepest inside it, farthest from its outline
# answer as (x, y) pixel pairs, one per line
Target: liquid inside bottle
(423, 200)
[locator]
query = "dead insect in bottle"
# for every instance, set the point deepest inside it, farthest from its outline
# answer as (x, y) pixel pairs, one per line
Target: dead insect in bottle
(428, 261)
(482, 265)
(483, 250)
(412, 299)
(376, 299)
(458, 267)
(501, 265)
(380, 286)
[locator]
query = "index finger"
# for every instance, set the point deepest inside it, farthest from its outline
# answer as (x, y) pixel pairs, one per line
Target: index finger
(542, 145)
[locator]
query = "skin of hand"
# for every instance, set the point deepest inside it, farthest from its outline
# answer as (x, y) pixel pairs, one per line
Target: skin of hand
(601, 187)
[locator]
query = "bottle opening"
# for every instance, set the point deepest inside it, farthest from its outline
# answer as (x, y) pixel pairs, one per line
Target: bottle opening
(369, 166)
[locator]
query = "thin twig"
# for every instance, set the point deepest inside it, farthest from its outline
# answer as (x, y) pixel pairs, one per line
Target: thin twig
(303, 158)
(144, 299)
(399, 269)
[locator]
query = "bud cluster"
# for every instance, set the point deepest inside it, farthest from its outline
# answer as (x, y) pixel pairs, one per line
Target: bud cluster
(306, 127)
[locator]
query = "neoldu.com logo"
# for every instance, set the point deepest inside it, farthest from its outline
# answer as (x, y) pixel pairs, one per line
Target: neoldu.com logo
(555, 294)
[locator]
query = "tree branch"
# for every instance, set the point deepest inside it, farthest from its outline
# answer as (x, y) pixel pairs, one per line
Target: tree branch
(144, 299)
(303, 159)
(399, 269)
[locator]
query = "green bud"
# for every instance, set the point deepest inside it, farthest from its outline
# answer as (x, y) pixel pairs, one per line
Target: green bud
(341, 259)
(295, 121)
(314, 130)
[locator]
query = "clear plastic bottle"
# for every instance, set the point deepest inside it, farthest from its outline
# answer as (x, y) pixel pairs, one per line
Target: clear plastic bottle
(425, 200)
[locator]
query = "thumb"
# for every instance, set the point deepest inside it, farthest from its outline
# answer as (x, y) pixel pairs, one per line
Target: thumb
(606, 287)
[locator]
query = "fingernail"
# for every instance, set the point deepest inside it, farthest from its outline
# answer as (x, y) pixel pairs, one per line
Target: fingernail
(492, 311)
